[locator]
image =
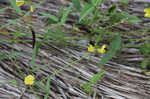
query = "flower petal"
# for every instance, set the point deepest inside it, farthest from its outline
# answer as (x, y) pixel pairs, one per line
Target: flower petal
(91, 48)
(32, 8)
(147, 10)
(29, 80)
(19, 3)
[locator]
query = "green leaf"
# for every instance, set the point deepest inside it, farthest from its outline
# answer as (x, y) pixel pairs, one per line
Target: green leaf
(34, 53)
(116, 43)
(3, 9)
(47, 87)
(144, 63)
(124, 2)
(10, 23)
(145, 48)
(133, 19)
(12, 54)
(13, 82)
(115, 46)
(54, 18)
(38, 84)
(116, 18)
(17, 34)
(13, 3)
(65, 15)
(112, 9)
(97, 2)
(86, 11)
(124, 15)
(93, 80)
(39, 67)
(76, 4)
(27, 14)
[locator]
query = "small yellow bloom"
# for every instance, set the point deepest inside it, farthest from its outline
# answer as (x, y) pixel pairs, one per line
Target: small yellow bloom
(32, 8)
(102, 50)
(147, 12)
(19, 3)
(91, 48)
(29, 80)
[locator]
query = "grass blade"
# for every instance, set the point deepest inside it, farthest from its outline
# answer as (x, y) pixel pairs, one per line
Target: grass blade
(93, 80)
(86, 11)
(66, 13)
(54, 18)
(76, 4)
(13, 3)
(3, 9)
(97, 2)
(34, 53)
(12, 54)
(47, 87)
(115, 46)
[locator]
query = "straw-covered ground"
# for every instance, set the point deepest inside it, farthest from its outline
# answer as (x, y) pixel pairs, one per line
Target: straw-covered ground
(123, 78)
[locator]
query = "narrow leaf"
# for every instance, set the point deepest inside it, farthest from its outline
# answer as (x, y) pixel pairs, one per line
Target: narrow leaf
(66, 13)
(52, 17)
(97, 2)
(86, 11)
(115, 46)
(13, 3)
(144, 63)
(133, 19)
(47, 87)
(3, 9)
(34, 53)
(76, 4)
(93, 80)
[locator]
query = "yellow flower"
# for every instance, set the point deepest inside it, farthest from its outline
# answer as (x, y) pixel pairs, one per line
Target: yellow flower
(147, 12)
(29, 80)
(102, 50)
(19, 3)
(91, 48)
(32, 8)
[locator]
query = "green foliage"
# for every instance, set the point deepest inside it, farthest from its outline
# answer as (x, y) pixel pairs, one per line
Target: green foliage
(145, 48)
(96, 2)
(116, 43)
(12, 54)
(13, 82)
(93, 80)
(13, 3)
(66, 13)
(52, 17)
(47, 87)
(76, 4)
(38, 84)
(34, 54)
(124, 2)
(144, 63)
(117, 17)
(17, 34)
(94, 19)
(3, 9)
(39, 67)
(112, 9)
(133, 19)
(88, 9)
